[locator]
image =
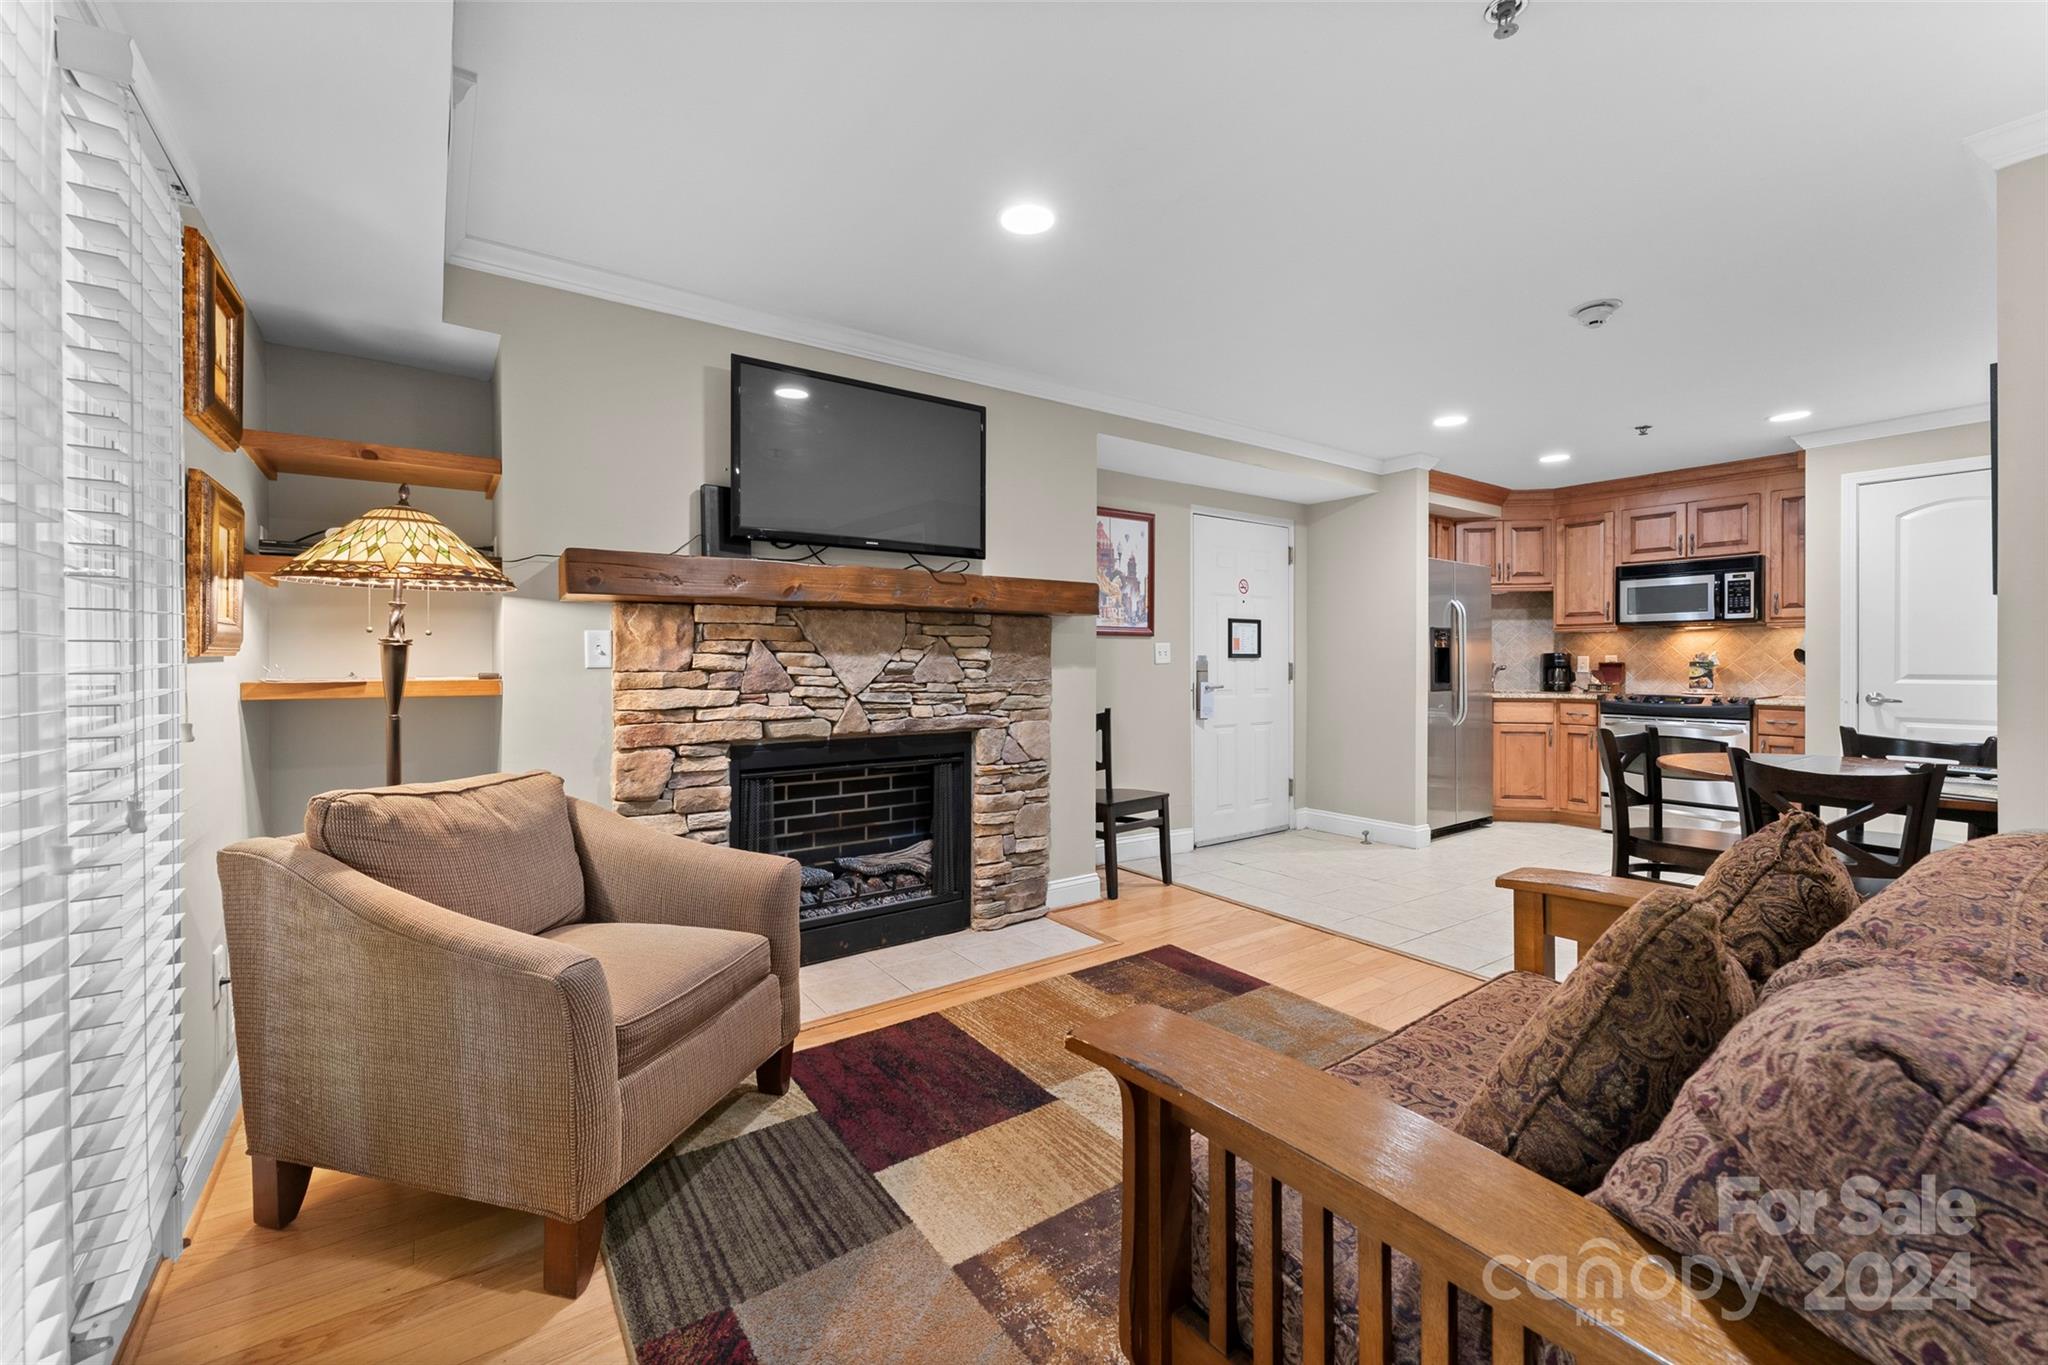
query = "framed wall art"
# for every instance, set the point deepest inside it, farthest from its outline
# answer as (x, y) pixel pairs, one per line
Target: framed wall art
(1123, 572)
(214, 528)
(216, 324)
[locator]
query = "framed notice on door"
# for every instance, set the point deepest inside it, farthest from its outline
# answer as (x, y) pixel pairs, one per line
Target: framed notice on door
(1244, 638)
(1123, 572)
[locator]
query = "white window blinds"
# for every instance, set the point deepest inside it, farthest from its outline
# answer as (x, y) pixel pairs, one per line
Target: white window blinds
(93, 583)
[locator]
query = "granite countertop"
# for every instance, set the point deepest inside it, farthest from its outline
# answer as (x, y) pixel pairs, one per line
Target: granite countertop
(1790, 703)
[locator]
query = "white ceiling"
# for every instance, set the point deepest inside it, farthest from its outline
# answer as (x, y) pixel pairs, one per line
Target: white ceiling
(1286, 479)
(1311, 226)
(317, 137)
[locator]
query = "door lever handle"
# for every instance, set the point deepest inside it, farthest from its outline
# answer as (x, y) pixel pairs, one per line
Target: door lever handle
(1880, 699)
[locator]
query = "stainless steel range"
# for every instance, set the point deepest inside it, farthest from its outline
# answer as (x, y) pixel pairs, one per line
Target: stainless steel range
(1723, 720)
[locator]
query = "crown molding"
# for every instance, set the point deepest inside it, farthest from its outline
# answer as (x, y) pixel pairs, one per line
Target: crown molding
(2011, 143)
(1401, 464)
(1896, 426)
(555, 272)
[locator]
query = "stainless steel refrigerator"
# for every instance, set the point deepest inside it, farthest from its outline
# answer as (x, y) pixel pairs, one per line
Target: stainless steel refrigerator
(1460, 642)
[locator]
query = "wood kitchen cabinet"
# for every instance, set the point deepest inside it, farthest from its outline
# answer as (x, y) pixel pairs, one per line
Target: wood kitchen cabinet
(1583, 595)
(1514, 551)
(1785, 556)
(1779, 730)
(1647, 534)
(1731, 524)
(1576, 784)
(1479, 543)
(1524, 555)
(1546, 761)
(1522, 764)
(1443, 538)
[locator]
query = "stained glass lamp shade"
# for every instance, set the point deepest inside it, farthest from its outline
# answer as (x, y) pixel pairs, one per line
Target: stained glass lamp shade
(403, 547)
(398, 544)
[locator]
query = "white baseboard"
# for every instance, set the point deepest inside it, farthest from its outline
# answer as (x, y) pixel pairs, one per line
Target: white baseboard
(1358, 826)
(207, 1140)
(1062, 892)
(1144, 843)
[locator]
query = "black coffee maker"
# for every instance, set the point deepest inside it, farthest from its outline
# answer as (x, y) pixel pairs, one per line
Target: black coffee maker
(1557, 673)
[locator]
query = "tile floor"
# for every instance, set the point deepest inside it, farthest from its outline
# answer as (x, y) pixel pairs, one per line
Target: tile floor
(852, 983)
(1437, 903)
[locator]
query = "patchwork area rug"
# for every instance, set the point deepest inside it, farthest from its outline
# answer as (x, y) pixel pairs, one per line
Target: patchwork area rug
(946, 1189)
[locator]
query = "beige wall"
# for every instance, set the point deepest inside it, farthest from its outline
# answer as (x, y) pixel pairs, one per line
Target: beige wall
(1368, 591)
(2023, 493)
(226, 759)
(318, 632)
(1152, 703)
(1825, 468)
(609, 419)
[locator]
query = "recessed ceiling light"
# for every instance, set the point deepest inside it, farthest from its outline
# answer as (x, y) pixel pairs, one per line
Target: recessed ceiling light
(1451, 419)
(1554, 457)
(1791, 416)
(1027, 220)
(791, 391)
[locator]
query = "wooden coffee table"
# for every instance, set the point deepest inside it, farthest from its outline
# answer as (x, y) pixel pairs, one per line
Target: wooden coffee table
(1713, 767)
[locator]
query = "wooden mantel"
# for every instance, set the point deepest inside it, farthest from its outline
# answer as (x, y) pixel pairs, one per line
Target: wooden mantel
(630, 576)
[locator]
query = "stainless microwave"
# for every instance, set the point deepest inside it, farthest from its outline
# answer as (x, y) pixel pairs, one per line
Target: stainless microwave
(1690, 590)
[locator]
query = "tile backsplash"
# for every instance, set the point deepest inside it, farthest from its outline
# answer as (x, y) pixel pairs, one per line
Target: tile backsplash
(1755, 660)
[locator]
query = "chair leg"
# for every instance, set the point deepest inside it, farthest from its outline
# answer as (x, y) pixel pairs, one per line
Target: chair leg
(1165, 842)
(569, 1253)
(1109, 854)
(279, 1187)
(773, 1076)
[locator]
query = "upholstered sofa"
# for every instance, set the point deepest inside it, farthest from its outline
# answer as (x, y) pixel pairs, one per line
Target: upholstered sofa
(1909, 1045)
(487, 989)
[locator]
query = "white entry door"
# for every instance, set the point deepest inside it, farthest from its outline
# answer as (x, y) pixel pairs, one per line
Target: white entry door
(1922, 661)
(1243, 602)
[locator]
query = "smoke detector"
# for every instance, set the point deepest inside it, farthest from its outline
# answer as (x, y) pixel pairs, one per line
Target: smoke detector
(1596, 313)
(1502, 14)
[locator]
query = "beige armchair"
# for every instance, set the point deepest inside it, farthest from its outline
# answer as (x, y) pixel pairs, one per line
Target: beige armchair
(490, 990)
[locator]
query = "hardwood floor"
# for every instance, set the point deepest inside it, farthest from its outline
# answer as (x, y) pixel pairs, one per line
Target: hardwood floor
(374, 1272)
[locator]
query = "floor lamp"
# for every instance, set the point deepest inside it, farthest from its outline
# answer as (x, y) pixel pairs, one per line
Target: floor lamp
(405, 548)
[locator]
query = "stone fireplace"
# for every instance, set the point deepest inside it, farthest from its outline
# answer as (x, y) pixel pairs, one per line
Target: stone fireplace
(882, 730)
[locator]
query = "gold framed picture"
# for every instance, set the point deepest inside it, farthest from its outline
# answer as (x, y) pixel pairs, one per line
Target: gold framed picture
(214, 527)
(215, 325)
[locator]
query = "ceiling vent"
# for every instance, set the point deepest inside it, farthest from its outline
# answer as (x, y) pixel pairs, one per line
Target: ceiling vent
(1596, 313)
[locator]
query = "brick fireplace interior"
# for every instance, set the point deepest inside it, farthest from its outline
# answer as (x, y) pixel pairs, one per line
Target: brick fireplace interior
(881, 825)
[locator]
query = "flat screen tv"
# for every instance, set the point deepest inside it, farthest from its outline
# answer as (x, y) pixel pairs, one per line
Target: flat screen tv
(820, 460)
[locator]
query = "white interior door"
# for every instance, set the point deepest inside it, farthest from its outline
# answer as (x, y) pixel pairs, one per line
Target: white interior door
(1244, 749)
(1924, 659)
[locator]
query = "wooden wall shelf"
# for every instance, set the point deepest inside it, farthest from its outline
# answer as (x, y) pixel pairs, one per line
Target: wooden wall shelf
(630, 576)
(367, 689)
(281, 452)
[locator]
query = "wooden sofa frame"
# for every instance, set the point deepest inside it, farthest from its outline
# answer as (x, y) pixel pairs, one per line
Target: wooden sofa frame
(1467, 1217)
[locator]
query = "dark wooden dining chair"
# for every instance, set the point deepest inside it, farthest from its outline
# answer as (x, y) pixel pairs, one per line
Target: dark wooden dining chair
(1119, 810)
(1646, 845)
(1980, 754)
(1768, 790)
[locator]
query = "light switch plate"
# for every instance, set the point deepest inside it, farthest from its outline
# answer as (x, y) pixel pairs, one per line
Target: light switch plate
(220, 971)
(1162, 652)
(597, 649)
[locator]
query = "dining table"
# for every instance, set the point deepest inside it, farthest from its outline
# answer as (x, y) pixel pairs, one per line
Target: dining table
(1958, 801)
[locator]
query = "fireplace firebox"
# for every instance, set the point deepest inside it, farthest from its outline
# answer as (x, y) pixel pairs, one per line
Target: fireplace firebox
(881, 825)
